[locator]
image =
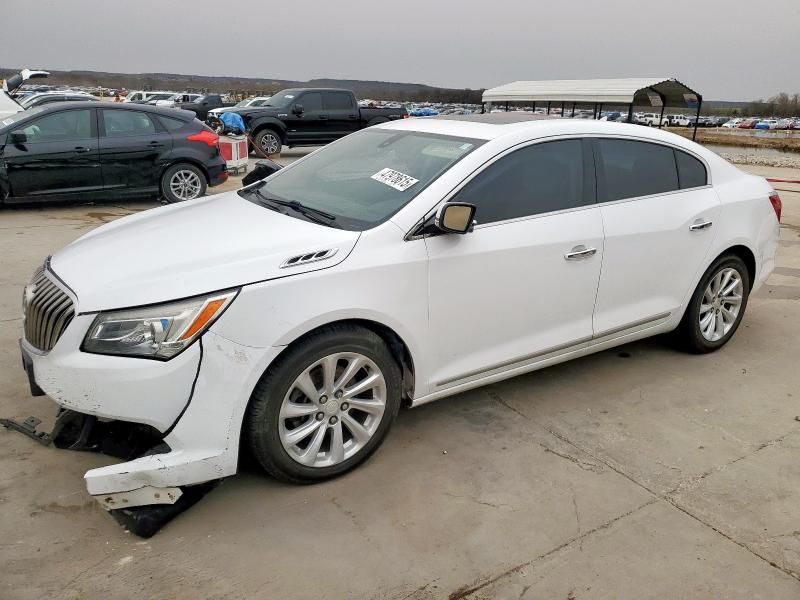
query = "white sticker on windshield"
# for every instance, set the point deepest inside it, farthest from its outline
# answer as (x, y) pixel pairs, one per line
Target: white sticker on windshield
(395, 179)
(8, 121)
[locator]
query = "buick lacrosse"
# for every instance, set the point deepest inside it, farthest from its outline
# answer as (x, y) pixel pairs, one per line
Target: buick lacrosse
(401, 264)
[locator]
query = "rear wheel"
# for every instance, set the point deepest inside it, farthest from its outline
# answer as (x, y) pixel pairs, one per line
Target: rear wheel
(268, 141)
(325, 406)
(717, 306)
(183, 182)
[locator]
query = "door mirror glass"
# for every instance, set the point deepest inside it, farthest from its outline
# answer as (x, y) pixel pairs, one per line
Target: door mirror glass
(455, 217)
(17, 137)
(297, 109)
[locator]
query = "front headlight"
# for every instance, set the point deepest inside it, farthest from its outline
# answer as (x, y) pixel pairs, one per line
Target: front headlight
(160, 331)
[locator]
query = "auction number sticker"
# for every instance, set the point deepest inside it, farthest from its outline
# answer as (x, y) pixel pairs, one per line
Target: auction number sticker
(395, 179)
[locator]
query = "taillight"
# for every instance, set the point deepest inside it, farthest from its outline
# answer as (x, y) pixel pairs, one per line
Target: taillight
(777, 205)
(205, 136)
(406, 116)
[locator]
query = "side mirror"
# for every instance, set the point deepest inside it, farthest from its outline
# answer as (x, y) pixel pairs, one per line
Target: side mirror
(455, 217)
(298, 109)
(17, 137)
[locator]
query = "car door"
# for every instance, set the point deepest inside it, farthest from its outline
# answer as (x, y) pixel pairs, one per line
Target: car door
(133, 147)
(659, 214)
(58, 157)
(308, 126)
(520, 288)
(343, 113)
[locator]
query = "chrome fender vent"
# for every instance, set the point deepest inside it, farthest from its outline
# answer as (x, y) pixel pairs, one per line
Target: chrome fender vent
(309, 257)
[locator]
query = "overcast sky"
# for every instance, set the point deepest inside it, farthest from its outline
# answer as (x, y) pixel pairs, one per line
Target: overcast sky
(724, 49)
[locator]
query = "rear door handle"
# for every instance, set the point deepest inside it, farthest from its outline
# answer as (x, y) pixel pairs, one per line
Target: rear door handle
(155, 144)
(352, 116)
(82, 149)
(580, 252)
(700, 224)
(323, 117)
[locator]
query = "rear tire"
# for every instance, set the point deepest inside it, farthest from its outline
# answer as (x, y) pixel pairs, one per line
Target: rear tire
(182, 182)
(717, 306)
(303, 439)
(268, 141)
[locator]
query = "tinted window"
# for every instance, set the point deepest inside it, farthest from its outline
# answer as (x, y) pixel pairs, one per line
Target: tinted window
(631, 169)
(311, 102)
(338, 101)
(127, 122)
(67, 125)
(171, 124)
(691, 172)
(537, 179)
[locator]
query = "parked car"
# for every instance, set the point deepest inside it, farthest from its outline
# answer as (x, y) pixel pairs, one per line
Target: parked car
(253, 102)
(310, 116)
(92, 150)
(766, 124)
(8, 105)
(42, 98)
(732, 124)
(405, 263)
(174, 99)
(140, 97)
(679, 121)
(748, 124)
(200, 106)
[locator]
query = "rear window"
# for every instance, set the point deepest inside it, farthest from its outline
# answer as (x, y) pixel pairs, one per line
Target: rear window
(629, 169)
(691, 172)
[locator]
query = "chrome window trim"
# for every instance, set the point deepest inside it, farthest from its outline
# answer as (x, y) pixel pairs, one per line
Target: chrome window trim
(411, 236)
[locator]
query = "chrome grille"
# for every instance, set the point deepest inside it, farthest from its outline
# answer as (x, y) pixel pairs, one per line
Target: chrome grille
(48, 311)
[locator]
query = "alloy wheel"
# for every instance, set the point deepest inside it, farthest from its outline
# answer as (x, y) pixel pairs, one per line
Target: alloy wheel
(332, 409)
(269, 143)
(721, 304)
(185, 185)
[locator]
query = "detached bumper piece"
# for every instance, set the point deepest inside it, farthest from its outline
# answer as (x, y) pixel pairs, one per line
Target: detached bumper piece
(142, 511)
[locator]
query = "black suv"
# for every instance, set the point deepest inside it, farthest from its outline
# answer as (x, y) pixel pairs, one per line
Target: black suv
(93, 150)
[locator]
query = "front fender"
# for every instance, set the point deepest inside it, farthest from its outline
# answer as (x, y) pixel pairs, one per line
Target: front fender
(272, 122)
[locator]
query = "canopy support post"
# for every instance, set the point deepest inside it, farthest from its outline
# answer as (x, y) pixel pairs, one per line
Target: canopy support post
(661, 118)
(600, 111)
(630, 113)
(573, 109)
(562, 109)
(506, 105)
(548, 108)
(697, 120)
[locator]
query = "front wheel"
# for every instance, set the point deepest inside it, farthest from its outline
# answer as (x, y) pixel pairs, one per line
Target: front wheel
(717, 306)
(324, 406)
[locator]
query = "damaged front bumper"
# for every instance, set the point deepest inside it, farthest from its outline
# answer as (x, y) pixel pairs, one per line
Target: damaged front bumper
(177, 422)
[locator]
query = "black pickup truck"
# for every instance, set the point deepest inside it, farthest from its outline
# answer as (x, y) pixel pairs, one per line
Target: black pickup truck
(310, 117)
(203, 104)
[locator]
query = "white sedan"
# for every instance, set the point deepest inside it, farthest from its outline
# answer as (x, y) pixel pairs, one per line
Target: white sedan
(401, 264)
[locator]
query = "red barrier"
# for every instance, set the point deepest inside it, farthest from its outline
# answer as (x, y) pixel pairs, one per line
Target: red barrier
(771, 180)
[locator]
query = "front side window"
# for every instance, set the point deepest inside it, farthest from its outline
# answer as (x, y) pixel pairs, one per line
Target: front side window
(127, 122)
(537, 179)
(61, 126)
(366, 177)
(312, 102)
(629, 169)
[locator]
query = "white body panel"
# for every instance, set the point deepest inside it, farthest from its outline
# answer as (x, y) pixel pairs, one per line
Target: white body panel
(472, 309)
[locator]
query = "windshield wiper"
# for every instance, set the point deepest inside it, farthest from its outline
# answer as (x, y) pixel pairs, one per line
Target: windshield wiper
(314, 214)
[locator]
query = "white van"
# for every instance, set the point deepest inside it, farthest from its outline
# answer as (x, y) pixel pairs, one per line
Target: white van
(142, 96)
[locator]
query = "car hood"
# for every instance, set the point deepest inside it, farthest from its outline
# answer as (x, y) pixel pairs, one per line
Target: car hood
(182, 250)
(267, 111)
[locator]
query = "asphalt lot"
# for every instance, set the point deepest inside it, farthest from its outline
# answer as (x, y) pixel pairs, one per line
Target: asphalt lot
(639, 472)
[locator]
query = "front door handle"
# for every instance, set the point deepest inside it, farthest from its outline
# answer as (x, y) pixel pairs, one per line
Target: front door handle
(82, 149)
(580, 252)
(352, 116)
(155, 144)
(700, 224)
(323, 117)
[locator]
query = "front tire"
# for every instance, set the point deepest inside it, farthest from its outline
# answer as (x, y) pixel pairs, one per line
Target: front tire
(324, 406)
(717, 306)
(183, 182)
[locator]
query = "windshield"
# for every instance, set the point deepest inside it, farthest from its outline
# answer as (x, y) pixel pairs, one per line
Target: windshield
(368, 176)
(282, 99)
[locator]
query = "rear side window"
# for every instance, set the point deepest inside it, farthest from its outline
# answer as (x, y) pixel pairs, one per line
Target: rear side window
(629, 169)
(127, 122)
(338, 101)
(171, 124)
(538, 179)
(691, 172)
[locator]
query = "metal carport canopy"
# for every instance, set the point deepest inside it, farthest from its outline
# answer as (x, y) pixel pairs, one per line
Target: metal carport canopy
(632, 90)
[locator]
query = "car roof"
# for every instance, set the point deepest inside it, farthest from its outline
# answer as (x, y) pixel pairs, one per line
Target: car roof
(159, 110)
(497, 125)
